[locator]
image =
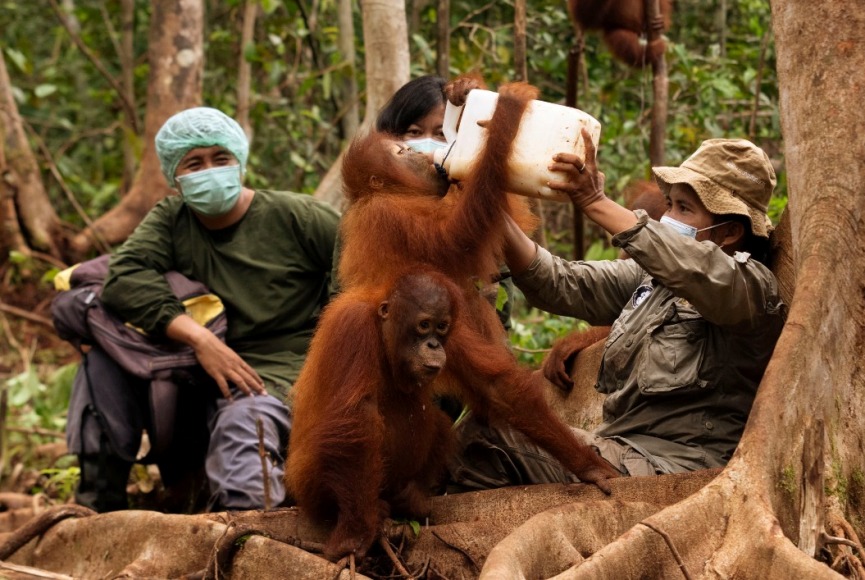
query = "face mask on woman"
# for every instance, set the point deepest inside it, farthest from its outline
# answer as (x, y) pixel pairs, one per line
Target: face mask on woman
(685, 229)
(211, 192)
(427, 145)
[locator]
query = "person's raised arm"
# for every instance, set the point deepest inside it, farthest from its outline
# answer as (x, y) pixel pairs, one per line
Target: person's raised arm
(519, 249)
(584, 185)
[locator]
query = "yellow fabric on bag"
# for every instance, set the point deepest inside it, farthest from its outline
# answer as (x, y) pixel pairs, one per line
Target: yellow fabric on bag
(62, 279)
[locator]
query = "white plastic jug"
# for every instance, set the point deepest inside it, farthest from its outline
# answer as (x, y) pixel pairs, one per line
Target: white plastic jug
(545, 129)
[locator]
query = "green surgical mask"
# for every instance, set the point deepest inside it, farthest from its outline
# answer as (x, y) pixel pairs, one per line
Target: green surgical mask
(211, 192)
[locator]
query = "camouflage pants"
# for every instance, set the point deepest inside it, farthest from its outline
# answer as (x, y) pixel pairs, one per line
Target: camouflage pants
(499, 456)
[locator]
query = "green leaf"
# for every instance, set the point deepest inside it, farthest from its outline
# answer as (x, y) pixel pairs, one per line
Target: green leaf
(250, 52)
(269, 6)
(17, 257)
(18, 59)
(501, 297)
(44, 90)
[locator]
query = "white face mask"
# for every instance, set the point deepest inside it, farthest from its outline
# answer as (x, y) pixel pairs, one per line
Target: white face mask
(426, 145)
(685, 229)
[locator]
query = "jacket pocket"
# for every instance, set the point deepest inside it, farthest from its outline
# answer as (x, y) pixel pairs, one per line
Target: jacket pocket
(672, 358)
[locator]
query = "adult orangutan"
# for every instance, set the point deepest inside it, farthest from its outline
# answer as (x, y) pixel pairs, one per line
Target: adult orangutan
(359, 395)
(622, 22)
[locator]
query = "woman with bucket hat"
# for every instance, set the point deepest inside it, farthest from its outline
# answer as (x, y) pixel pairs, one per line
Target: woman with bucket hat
(695, 314)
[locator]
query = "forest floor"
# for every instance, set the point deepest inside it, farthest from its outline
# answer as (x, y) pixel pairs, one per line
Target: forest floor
(36, 369)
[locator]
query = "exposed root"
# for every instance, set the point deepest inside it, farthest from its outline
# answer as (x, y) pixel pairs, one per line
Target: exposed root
(226, 547)
(843, 534)
(41, 524)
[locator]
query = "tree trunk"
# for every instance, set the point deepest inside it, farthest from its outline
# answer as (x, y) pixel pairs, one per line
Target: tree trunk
(758, 85)
(416, 9)
(572, 99)
(520, 66)
(443, 39)
(29, 220)
(244, 68)
(387, 68)
(351, 119)
(521, 71)
(659, 92)
(176, 59)
(127, 67)
(387, 56)
(763, 516)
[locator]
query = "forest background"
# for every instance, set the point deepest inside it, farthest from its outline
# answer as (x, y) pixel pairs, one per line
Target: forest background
(78, 72)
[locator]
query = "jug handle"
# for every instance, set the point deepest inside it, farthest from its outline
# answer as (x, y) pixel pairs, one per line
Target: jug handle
(451, 121)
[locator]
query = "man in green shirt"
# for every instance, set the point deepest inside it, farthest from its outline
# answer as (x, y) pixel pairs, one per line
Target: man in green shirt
(267, 255)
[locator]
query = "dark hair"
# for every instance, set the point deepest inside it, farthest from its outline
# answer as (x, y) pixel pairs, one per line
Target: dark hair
(757, 246)
(411, 103)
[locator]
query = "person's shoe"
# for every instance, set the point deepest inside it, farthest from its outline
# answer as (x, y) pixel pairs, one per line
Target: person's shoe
(102, 486)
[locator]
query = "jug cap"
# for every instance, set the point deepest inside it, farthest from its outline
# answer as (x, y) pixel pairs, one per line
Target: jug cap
(440, 153)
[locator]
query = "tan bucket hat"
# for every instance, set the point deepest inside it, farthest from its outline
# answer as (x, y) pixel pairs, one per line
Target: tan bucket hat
(731, 176)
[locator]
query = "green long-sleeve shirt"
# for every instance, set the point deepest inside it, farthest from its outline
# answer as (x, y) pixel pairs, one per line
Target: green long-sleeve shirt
(271, 270)
(692, 332)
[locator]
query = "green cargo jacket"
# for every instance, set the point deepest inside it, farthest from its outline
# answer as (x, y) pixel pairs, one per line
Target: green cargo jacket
(692, 332)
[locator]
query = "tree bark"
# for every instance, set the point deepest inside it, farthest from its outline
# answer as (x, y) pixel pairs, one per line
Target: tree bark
(176, 56)
(244, 68)
(387, 56)
(351, 119)
(520, 66)
(387, 68)
(127, 67)
(29, 220)
(572, 99)
(660, 83)
(443, 39)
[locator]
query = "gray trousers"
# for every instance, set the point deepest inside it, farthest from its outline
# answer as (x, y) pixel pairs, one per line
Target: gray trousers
(109, 411)
(233, 464)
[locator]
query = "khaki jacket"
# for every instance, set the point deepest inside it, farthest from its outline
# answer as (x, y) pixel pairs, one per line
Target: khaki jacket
(692, 332)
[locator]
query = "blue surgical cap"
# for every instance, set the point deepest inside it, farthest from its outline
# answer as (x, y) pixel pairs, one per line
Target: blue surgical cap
(198, 127)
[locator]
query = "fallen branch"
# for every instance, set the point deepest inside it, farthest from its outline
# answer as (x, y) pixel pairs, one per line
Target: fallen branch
(28, 572)
(39, 525)
(36, 431)
(48, 258)
(262, 453)
(21, 313)
(393, 558)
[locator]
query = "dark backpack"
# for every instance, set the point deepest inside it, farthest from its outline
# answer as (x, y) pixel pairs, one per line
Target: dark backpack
(81, 319)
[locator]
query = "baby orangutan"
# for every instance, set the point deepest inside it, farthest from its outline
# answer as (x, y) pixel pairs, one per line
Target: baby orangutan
(364, 448)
